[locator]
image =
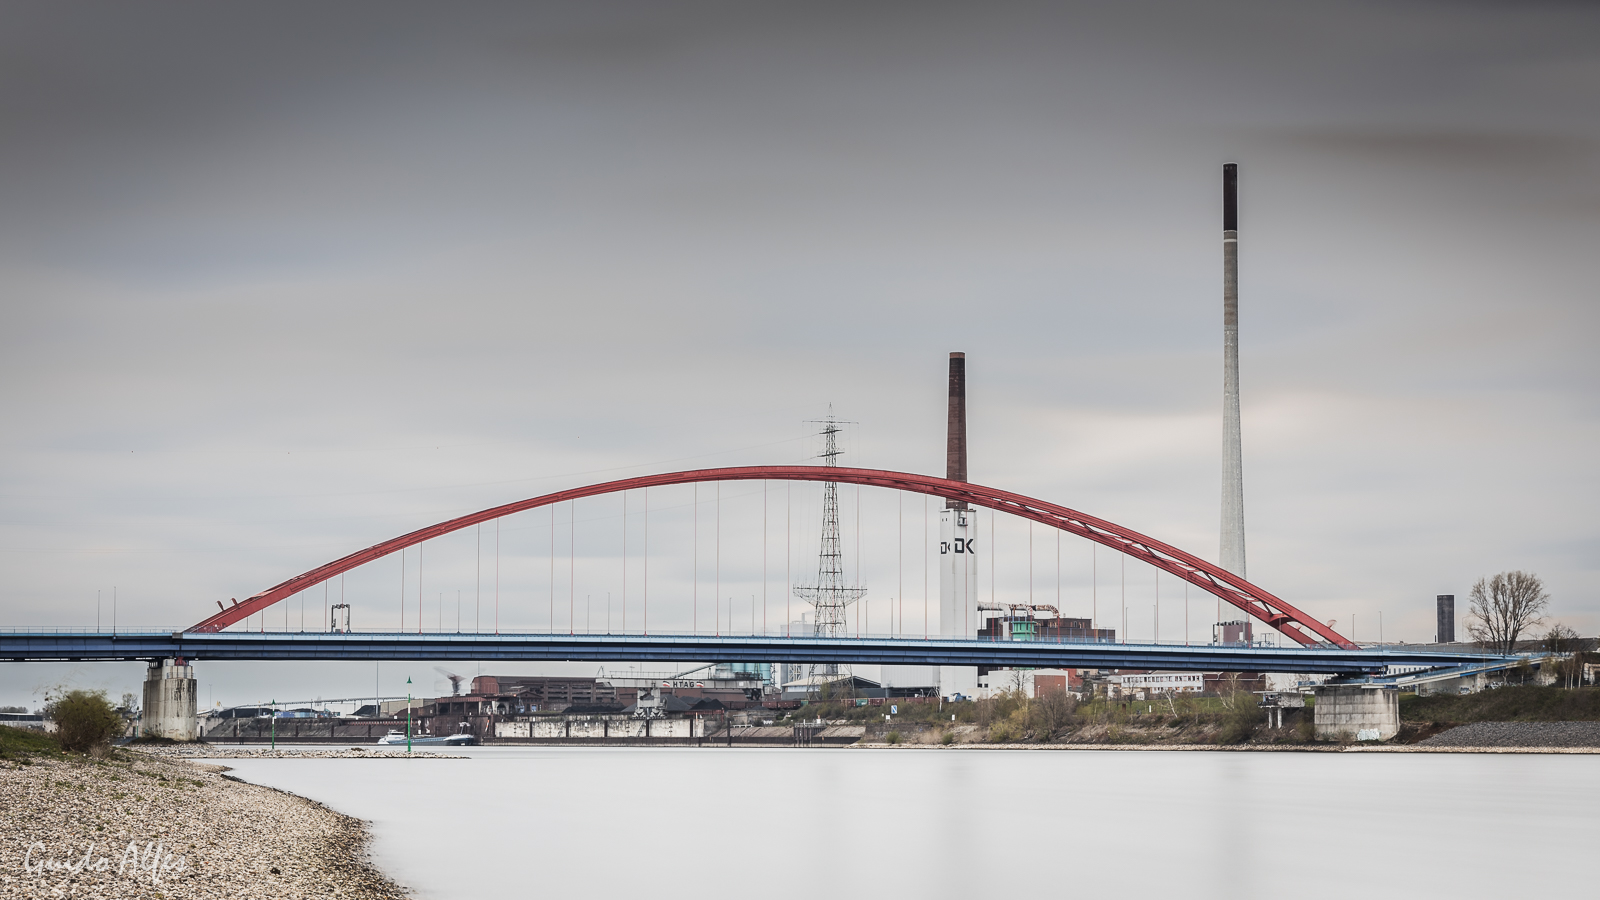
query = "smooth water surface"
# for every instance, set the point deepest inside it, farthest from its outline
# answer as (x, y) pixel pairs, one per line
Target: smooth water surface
(670, 823)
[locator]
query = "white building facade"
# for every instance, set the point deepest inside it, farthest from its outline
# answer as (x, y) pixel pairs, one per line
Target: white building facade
(1161, 683)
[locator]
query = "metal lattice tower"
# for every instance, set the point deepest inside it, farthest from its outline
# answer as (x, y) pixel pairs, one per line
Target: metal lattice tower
(830, 596)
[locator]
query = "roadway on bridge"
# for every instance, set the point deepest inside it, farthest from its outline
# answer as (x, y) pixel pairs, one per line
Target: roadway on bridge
(688, 648)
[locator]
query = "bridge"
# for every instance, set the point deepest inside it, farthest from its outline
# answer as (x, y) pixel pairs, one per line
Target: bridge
(1316, 647)
(702, 648)
(1294, 624)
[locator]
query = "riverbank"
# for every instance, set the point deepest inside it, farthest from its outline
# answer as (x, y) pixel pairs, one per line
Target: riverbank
(210, 751)
(1515, 718)
(1248, 748)
(138, 825)
(1482, 737)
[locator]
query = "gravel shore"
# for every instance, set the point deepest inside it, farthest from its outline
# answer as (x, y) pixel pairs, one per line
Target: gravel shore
(143, 826)
(210, 752)
(1518, 734)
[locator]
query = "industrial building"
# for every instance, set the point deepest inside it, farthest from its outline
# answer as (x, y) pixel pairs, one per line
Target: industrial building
(531, 693)
(1031, 683)
(624, 704)
(1137, 685)
(1019, 624)
(1147, 685)
(1164, 682)
(832, 687)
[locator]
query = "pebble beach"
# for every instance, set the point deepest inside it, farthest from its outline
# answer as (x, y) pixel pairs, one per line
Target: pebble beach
(149, 825)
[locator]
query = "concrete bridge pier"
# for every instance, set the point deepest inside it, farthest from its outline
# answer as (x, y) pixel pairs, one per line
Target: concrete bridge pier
(169, 701)
(1361, 712)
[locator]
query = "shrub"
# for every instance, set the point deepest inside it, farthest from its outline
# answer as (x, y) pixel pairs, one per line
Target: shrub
(1306, 730)
(993, 709)
(948, 738)
(892, 737)
(1003, 732)
(85, 720)
(1240, 721)
(1051, 713)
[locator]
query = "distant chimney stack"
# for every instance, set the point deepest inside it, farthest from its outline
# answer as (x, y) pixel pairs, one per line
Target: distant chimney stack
(1446, 633)
(955, 438)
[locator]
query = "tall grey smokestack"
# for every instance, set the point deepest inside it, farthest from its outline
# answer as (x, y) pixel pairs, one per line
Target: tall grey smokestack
(1232, 451)
(955, 435)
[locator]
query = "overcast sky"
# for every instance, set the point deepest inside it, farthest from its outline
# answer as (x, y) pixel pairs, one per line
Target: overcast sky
(282, 281)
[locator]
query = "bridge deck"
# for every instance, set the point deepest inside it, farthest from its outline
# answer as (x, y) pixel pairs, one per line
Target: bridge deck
(683, 648)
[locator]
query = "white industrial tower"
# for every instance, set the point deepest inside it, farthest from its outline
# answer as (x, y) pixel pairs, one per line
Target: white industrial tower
(1232, 555)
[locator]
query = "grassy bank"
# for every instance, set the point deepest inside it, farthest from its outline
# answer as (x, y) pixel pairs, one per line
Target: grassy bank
(22, 745)
(1058, 718)
(1513, 703)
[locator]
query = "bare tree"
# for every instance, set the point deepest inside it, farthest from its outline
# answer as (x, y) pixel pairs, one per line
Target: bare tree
(1229, 689)
(1560, 639)
(1564, 640)
(1503, 606)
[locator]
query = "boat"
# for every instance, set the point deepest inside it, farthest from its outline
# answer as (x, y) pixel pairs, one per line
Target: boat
(451, 740)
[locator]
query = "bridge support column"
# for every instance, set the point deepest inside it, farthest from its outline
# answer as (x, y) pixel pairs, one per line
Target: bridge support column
(1357, 712)
(169, 701)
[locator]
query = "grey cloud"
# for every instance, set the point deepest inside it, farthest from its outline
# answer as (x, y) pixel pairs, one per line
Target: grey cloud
(1477, 150)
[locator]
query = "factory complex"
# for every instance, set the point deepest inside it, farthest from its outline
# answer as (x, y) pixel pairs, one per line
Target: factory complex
(683, 707)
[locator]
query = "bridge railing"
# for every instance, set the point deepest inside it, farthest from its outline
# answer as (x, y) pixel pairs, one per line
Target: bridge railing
(669, 636)
(80, 629)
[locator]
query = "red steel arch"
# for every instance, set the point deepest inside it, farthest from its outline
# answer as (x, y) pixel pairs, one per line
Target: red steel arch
(1297, 625)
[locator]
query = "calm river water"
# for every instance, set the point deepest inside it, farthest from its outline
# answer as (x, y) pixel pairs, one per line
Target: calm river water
(671, 823)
